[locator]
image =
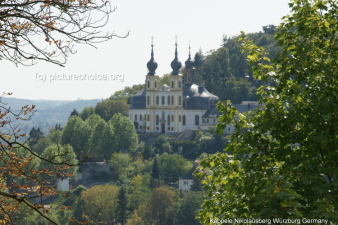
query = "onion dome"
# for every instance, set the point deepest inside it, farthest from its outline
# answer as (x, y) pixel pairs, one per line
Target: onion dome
(152, 64)
(189, 64)
(176, 64)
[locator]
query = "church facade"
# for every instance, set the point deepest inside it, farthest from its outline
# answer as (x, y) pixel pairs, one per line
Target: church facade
(171, 109)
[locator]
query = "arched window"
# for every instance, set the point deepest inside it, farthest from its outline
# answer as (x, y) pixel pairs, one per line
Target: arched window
(172, 118)
(157, 119)
(148, 84)
(179, 84)
(157, 100)
(179, 100)
(172, 100)
(140, 117)
(172, 84)
(148, 117)
(148, 100)
(135, 117)
(183, 122)
(168, 100)
(163, 100)
(168, 120)
(155, 84)
(197, 120)
(179, 118)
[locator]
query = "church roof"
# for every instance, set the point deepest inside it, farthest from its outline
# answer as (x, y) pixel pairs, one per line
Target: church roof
(138, 101)
(245, 107)
(197, 97)
(212, 112)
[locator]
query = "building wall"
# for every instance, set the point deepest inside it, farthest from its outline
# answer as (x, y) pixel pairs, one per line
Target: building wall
(175, 116)
(184, 185)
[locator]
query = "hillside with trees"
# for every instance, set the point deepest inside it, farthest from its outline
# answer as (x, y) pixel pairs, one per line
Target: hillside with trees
(282, 160)
(225, 72)
(141, 185)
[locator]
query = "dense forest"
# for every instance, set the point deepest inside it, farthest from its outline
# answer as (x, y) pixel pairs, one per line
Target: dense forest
(225, 71)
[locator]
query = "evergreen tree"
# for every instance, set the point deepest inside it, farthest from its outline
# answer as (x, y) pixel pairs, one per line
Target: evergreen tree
(34, 136)
(155, 172)
(74, 113)
(155, 181)
(198, 63)
(58, 126)
(122, 206)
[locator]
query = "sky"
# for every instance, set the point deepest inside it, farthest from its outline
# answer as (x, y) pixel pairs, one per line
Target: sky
(123, 60)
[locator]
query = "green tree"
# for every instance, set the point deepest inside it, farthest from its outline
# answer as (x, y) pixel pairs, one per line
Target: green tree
(126, 138)
(86, 112)
(121, 164)
(156, 180)
(55, 136)
(127, 92)
(270, 29)
(58, 126)
(77, 133)
(122, 201)
(190, 204)
(32, 165)
(102, 141)
(165, 79)
(198, 62)
(282, 158)
(161, 201)
(34, 136)
(57, 154)
(74, 113)
(139, 192)
(163, 145)
(155, 172)
(173, 166)
(92, 120)
(216, 71)
(99, 204)
(196, 184)
(108, 108)
(42, 144)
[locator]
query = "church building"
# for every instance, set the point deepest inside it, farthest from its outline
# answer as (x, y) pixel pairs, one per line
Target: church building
(172, 109)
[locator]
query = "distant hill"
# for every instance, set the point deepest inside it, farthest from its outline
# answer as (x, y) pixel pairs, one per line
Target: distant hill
(79, 105)
(48, 112)
(17, 103)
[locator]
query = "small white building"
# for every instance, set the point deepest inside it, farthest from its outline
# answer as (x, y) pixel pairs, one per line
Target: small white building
(185, 182)
(63, 185)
